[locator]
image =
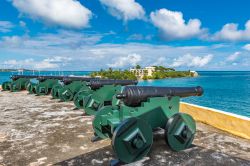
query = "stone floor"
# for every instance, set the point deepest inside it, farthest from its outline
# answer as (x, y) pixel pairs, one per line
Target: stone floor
(35, 130)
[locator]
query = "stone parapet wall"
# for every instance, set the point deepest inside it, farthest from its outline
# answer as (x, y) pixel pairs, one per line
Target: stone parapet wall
(229, 122)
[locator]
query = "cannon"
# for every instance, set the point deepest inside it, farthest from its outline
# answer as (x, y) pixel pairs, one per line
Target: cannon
(81, 98)
(57, 87)
(31, 88)
(6, 85)
(55, 90)
(46, 84)
(32, 85)
(70, 86)
(18, 82)
(103, 93)
(136, 111)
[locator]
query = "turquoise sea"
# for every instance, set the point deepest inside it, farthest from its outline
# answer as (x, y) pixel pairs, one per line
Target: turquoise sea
(224, 90)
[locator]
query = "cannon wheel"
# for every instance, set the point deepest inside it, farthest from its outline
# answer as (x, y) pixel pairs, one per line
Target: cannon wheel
(132, 140)
(179, 132)
(97, 123)
(78, 100)
(15, 87)
(89, 111)
(42, 90)
(55, 91)
(29, 87)
(27, 84)
(79, 97)
(6, 86)
(66, 94)
(34, 89)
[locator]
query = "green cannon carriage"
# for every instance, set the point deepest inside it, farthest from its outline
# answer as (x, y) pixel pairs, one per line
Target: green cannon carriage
(104, 90)
(17, 83)
(46, 84)
(69, 87)
(55, 90)
(31, 87)
(72, 86)
(136, 111)
(6, 86)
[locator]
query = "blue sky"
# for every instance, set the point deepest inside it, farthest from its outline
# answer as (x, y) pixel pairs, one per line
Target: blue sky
(94, 34)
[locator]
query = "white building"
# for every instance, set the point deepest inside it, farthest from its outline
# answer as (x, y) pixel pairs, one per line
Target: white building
(147, 71)
(194, 74)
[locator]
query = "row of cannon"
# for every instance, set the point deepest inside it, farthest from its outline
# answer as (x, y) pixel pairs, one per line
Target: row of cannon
(123, 112)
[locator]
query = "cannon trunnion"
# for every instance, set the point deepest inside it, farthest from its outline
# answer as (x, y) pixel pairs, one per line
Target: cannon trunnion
(136, 111)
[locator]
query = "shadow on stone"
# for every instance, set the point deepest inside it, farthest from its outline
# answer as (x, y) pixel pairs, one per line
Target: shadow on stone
(160, 154)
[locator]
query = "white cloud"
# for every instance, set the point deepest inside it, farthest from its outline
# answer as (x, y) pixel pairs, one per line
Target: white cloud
(48, 63)
(63, 38)
(45, 65)
(139, 37)
(124, 9)
(125, 61)
(76, 52)
(5, 26)
(136, 37)
(233, 57)
(161, 61)
(173, 26)
(247, 47)
(58, 59)
(96, 56)
(13, 41)
(230, 32)
(192, 61)
(65, 13)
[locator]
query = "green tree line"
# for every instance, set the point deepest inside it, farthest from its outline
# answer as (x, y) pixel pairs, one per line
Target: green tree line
(160, 73)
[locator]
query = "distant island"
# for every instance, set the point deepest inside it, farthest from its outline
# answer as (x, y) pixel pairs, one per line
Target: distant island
(147, 73)
(15, 70)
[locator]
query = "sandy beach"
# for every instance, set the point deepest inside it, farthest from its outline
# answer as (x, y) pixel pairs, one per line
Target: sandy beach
(36, 130)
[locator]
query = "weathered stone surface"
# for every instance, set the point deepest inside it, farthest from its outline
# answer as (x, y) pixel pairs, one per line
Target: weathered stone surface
(35, 130)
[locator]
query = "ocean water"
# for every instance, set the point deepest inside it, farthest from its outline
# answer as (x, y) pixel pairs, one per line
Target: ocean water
(228, 91)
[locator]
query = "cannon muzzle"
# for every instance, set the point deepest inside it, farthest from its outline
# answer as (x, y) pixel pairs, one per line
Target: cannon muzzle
(96, 84)
(134, 95)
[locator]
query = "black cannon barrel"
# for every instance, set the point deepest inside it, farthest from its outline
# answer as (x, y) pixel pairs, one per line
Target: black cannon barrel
(134, 95)
(42, 78)
(70, 79)
(95, 84)
(15, 77)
